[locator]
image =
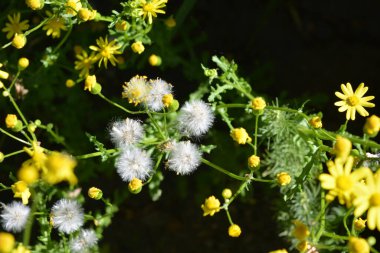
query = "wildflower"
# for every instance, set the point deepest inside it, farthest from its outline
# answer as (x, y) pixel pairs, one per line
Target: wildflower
(14, 216)
(136, 90)
(38, 156)
(158, 88)
(28, 172)
(258, 103)
(240, 135)
(35, 4)
(90, 82)
(67, 216)
(11, 121)
(135, 185)
(372, 125)
(84, 63)
(358, 245)
(84, 241)
(23, 63)
(155, 60)
(195, 118)
(367, 197)
(227, 193)
(184, 157)
(300, 230)
(133, 163)
(106, 51)
(283, 178)
(211, 206)
(122, 25)
(126, 132)
(3, 75)
(19, 41)
(7, 242)
(359, 224)
(138, 47)
(234, 230)
(353, 101)
(15, 26)
(167, 100)
(60, 167)
(279, 251)
(316, 122)
(342, 147)
(73, 6)
(54, 25)
(151, 8)
(341, 182)
(93, 15)
(95, 193)
(84, 14)
(253, 161)
(69, 83)
(21, 190)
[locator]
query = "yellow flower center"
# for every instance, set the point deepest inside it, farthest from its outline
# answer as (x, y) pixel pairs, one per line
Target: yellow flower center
(352, 100)
(375, 199)
(344, 183)
(148, 7)
(105, 53)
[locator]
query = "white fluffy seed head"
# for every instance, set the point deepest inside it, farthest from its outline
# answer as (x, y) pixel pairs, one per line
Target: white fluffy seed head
(133, 163)
(184, 157)
(126, 132)
(195, 118)
(158, 88)
(67, 215)
(136, 90)
(14, 216)
(84, 241)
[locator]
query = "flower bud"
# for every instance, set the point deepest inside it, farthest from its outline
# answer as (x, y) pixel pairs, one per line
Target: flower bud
(227, 193)
(23, 63)
(135, 186)
(35, 4)
(283, 178)
(155, 60)
(69, 83)
(253, 161)
(138, 47)
(95, 193)
(1, 157)
(13, 123)
(234, 230)
(19, 41)
(167, 100)
(258, 104)
(173, 107)
(122, 25)
(7, 242)
(84, 14)
(316, 122)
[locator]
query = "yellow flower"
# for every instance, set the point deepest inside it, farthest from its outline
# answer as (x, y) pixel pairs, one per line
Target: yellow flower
(151, 8)
(34, 4)
(90, 82)
(279, 251)
(60, 167)
(359, 224)
(167, 99)
(23, 63)
(138, 47)
(38, 156)
(73, 6)
(258, 103)
(54, 26)
(84, 63)
(11, 121)
(15, 26)
(234, 230)
(19, 41)
(21, 249)
(95, 193)
(372, 125)
(155, 60)
(21, 190)
(342, 147)
(122, 25)
(227, 193)
(211, 206)
(367, 197)
(105, 51)
(240, 135)
(300, 230)
(283, 178)
(84, 14)
(7, 242)
(3, 75)
(28, 172)
(253, 161)
(341, 181)
(316, 122)
(135, 185)
(358, 245)
(353, 101)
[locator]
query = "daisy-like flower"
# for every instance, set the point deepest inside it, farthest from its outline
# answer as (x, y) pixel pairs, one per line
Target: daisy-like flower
(184, 157)
(84, 63)
(84, 241)
(54, 25)
(14, 216)
(353, 101)
(367, 197)
(151, 8)
(158, 88)
(15, 26)
(126, 132)
(136, 90)
(133, 163)
(195, 118)
(341, 181)
(67, 216)
(106, 51)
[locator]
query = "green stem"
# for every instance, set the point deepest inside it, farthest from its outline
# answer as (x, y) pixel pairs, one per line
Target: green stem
(13, 101)
(14, 137)
(255, 135)
(231, 106)
(345, 220)
(155, 168)
(237, 193)
(229, 216)
(285, 109)
(64, 39)
(119, 106)
(14, 153)
(95, 154)
(334, 236)
(230, 174)
(29, 223)
(154, 122)
(322, 217)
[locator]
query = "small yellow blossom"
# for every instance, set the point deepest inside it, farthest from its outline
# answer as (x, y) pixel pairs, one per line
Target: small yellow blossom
(283, 178)
(11, 121)
(342, 147)
(95, 193)
(240, 135)
(138, 47)
(7, 242)
(258, 103)
(19, 41)
(135, 185)
(358, 245)
(253, 161)
(15, 26)
(84, 14)
(155, 60)
(151, 8)
(23, 63)
(3, 75)
(21, 249)
(170, 22)
(21, 190)
(90, 82)
(359, 224)
(234, 230)
(54, 26)
(38, 156)
(60, 167)
(28, 172)
(167, 100)
(316, 122)
(106, 51)
(84, 62)
(1, 157)
(211, 206)
(300, 231)
(69, 83)
(122, 26)
(35, 4)
(93, 15)
(279, 251)
(73, 6)
(372, 125)
(227, 193)
(353, 101)
(302, 246)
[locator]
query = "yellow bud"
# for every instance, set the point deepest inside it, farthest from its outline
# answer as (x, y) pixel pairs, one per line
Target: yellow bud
(90, 82)
(1, 157)
(34, 4)
(302, 246)
(28, 172)
(7, 242)
(155, 60)
(135, 186)
(253, 161)
(93, 15)
(342, 147)
(227, 193)
(167, 99)
(174, 105)
(23, 63)
(21, 190)
(279, 251)
(359, 224)
(283, 178)
(138, 47)
(316, 122)
(170, 22)
(11, 121)
(72, 6)
(372, 125)
(19, 41)
(95, 193)
(69, 83)
(358, 245)
(4, 75)
(300, 231)
(122, 25)
(258, 103)
(210, 206)
(84, 14)
(240, 135)
(234, 230)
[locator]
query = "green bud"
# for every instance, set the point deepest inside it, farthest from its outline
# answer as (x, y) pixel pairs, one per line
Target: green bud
(174, 105)
(96, 89)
